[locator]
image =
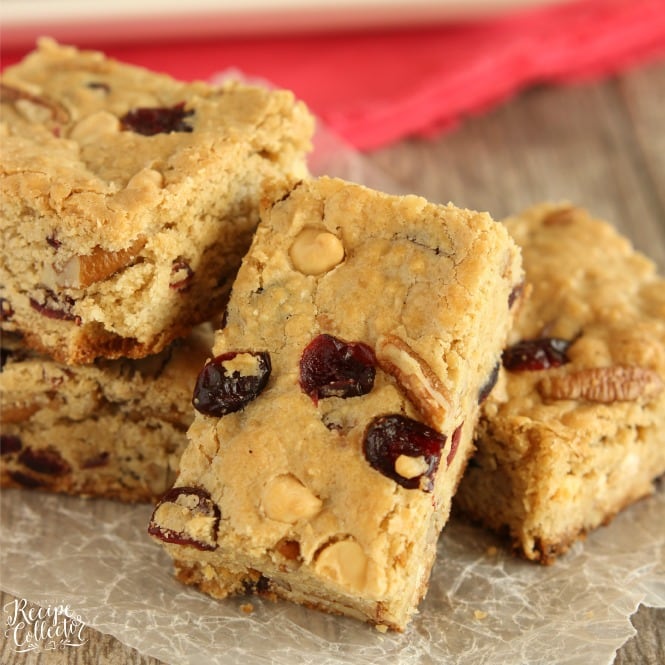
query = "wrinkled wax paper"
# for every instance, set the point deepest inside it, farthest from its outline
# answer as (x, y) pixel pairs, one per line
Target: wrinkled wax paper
(483, 606)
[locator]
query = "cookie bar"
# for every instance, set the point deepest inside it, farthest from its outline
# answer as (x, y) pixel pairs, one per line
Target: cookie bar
(113, 429)
(575, 430)
(336, 416)
(128, 198)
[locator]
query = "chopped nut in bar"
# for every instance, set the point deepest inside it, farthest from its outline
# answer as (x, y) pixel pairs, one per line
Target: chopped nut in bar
(575, 434)
(112, 429)
(128, 198)
(336, 416)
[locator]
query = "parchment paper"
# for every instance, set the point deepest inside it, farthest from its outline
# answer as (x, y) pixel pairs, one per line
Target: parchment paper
(483, 607)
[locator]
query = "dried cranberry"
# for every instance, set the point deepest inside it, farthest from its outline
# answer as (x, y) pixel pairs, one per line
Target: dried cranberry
(182, 274)
(454, 444)
(389, 437)
(10, 443)
(56, 308)
(218, 393)
(158, 120)
(487, 388)
(536, 354)
(330, 367)
(5, 355)
(201, 505)
(45, 460)
(52, 241)
(26, 480)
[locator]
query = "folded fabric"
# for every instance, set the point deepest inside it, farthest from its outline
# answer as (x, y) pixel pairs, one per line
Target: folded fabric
(375, 87)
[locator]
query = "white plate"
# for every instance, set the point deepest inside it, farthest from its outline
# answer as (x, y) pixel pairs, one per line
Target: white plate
(127, 20)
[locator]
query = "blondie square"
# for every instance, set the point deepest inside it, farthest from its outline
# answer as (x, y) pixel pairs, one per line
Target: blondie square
(114, 429)
(575, 430)
(128, 198)
(336, 415)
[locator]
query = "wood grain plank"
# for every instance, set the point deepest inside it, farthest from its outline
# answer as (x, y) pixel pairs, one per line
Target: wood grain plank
(592, 145)
(600, 145)
(643, 94)
(648, 646)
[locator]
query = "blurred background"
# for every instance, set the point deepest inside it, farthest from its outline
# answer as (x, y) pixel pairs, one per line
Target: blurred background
(375, 71)
(492, 104)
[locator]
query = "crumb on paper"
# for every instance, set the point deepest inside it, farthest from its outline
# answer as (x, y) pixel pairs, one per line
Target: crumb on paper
(492, 550)
(479, 614)
(382, 628)
(247, 608)
(588, 615)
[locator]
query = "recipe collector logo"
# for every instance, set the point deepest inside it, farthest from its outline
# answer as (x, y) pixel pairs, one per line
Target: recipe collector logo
(29, 627)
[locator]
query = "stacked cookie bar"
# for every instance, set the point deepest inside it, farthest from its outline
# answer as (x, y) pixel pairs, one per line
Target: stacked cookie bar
(311, 446)
(575, 429)
(336, 417)
(128, 198)
(127, 202)
(113, 428)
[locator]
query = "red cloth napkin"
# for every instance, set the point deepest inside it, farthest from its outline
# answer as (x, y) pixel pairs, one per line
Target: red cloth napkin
(373, 88)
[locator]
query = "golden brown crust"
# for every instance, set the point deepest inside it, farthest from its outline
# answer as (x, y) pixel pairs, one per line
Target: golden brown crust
(425, 290)
(563, 449)
(113, 429)
(129, 198)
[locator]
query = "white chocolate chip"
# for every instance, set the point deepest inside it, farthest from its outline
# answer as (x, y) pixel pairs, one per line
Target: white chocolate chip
(315, 251)
(94, 126)
(146, 179)
(245, 364)
(180, 517)
(286, 499)
(343, 562)
(411, 467)
(144, 189)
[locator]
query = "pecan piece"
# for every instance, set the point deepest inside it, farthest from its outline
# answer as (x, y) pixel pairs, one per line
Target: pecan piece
(53, 307)
(10, 443)
(44, 460)
(604, 385)
(18, 413)
(415, 377)
(82, 271)
(181, 274)
(32, 107)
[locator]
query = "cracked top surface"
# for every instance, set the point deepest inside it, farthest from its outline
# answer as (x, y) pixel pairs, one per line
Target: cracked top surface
(129, 198)
(590, 288)
(423, 287)
(75, 150)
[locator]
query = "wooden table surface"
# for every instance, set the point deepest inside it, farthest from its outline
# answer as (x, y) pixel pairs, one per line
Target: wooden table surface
(600, 145)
